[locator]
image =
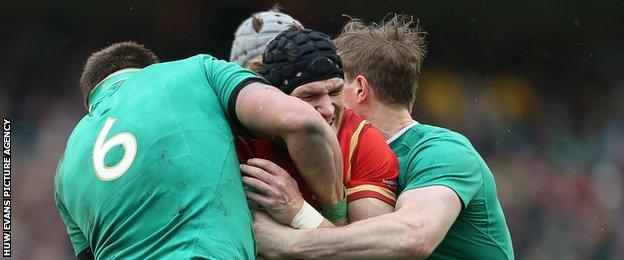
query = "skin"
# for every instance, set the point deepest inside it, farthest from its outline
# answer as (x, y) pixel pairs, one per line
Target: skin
(413, 231)
(422, 217)
(360, 97)
(311, 142)
(277, 191)
(255, 65)
(326, 97)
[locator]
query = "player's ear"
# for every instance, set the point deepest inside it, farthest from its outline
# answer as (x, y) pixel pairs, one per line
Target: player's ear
(363, 90)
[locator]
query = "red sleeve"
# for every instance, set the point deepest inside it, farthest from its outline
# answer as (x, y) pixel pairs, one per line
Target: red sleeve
(375, 169)
(243, 149)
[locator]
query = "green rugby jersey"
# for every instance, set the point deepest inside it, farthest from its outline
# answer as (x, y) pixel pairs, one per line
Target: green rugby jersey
(430, 155)
(152, 172)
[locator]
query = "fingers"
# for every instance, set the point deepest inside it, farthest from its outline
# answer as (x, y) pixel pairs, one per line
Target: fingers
(256, 172)
(258, 215)
(267, 165)
(257, 198)
(257, 184)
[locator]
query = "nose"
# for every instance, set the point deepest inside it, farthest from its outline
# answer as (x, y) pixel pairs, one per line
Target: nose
(325, 107)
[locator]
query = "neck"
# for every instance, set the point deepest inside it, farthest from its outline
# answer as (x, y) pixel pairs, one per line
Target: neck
(389, 121)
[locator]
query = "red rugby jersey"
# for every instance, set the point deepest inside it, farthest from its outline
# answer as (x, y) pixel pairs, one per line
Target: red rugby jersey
(370, 167)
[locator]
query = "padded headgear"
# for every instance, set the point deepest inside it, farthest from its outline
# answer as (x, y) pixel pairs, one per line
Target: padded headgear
(299, 56)
(253, 34)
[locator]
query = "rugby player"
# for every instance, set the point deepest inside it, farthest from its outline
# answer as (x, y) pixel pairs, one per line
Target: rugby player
(303, 63)
(254, 34)
(447, 206)
(151, 170)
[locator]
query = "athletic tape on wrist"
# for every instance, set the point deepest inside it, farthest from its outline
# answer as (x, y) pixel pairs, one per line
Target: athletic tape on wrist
(307, 218)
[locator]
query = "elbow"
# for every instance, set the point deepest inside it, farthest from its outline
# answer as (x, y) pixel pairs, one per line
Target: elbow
(304, 123)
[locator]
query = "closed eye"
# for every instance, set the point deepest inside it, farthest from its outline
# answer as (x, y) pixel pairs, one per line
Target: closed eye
(337, 91)
(307, 96)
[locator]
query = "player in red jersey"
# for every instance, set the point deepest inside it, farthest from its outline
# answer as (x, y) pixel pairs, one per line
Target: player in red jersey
(303, 63)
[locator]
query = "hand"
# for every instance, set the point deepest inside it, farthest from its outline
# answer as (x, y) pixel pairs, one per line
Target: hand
(273, 238)
(274, 190)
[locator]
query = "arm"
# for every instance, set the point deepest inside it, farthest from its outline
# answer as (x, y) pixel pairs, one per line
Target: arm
(77, 237)
(276, 191)
(263, 109)
(436, 189)
(422, 218)
(371, 184)
(367, 208)
(311, 142)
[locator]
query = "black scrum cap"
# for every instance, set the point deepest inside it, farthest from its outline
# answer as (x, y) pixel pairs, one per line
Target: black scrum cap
(299, 56)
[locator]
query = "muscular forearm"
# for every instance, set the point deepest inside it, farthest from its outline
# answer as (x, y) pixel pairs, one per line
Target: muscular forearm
(384, 236)
(312, 144)
(318, 158)
(359, 210)
(422, 218)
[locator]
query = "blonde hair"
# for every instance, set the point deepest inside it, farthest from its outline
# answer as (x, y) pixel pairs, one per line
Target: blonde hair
(389, 55)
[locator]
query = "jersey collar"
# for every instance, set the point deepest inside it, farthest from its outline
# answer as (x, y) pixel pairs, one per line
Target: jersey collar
(110, 80)
(401, 132)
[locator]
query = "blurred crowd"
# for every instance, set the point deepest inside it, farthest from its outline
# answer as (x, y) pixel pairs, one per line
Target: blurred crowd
(553, 134)
(560, 177)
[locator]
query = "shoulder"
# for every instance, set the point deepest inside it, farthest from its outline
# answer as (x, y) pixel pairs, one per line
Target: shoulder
(201, 57)
(372, 140)
(432, 146)
(442, 157)
(195, 60)
(446, 141)
(424, 137)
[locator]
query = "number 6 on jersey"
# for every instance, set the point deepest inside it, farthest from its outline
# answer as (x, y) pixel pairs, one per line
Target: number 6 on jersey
(101, 148)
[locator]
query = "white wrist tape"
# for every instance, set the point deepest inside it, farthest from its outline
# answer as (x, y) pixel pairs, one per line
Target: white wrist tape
(307, 218)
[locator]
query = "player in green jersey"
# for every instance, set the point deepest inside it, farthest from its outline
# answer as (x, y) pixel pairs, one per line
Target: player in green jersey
(151, 170)
(447, 207)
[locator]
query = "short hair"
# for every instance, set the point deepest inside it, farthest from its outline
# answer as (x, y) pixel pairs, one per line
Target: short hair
(389, 55)
(115, 57)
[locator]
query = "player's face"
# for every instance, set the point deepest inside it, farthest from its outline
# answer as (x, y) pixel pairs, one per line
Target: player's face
(326, 97)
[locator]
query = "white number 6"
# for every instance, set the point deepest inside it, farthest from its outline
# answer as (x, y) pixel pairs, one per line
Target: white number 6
(125, 139)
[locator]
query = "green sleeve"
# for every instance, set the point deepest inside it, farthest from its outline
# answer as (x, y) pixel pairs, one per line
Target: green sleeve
(226, 79)
(78, 239)
(448, 161)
